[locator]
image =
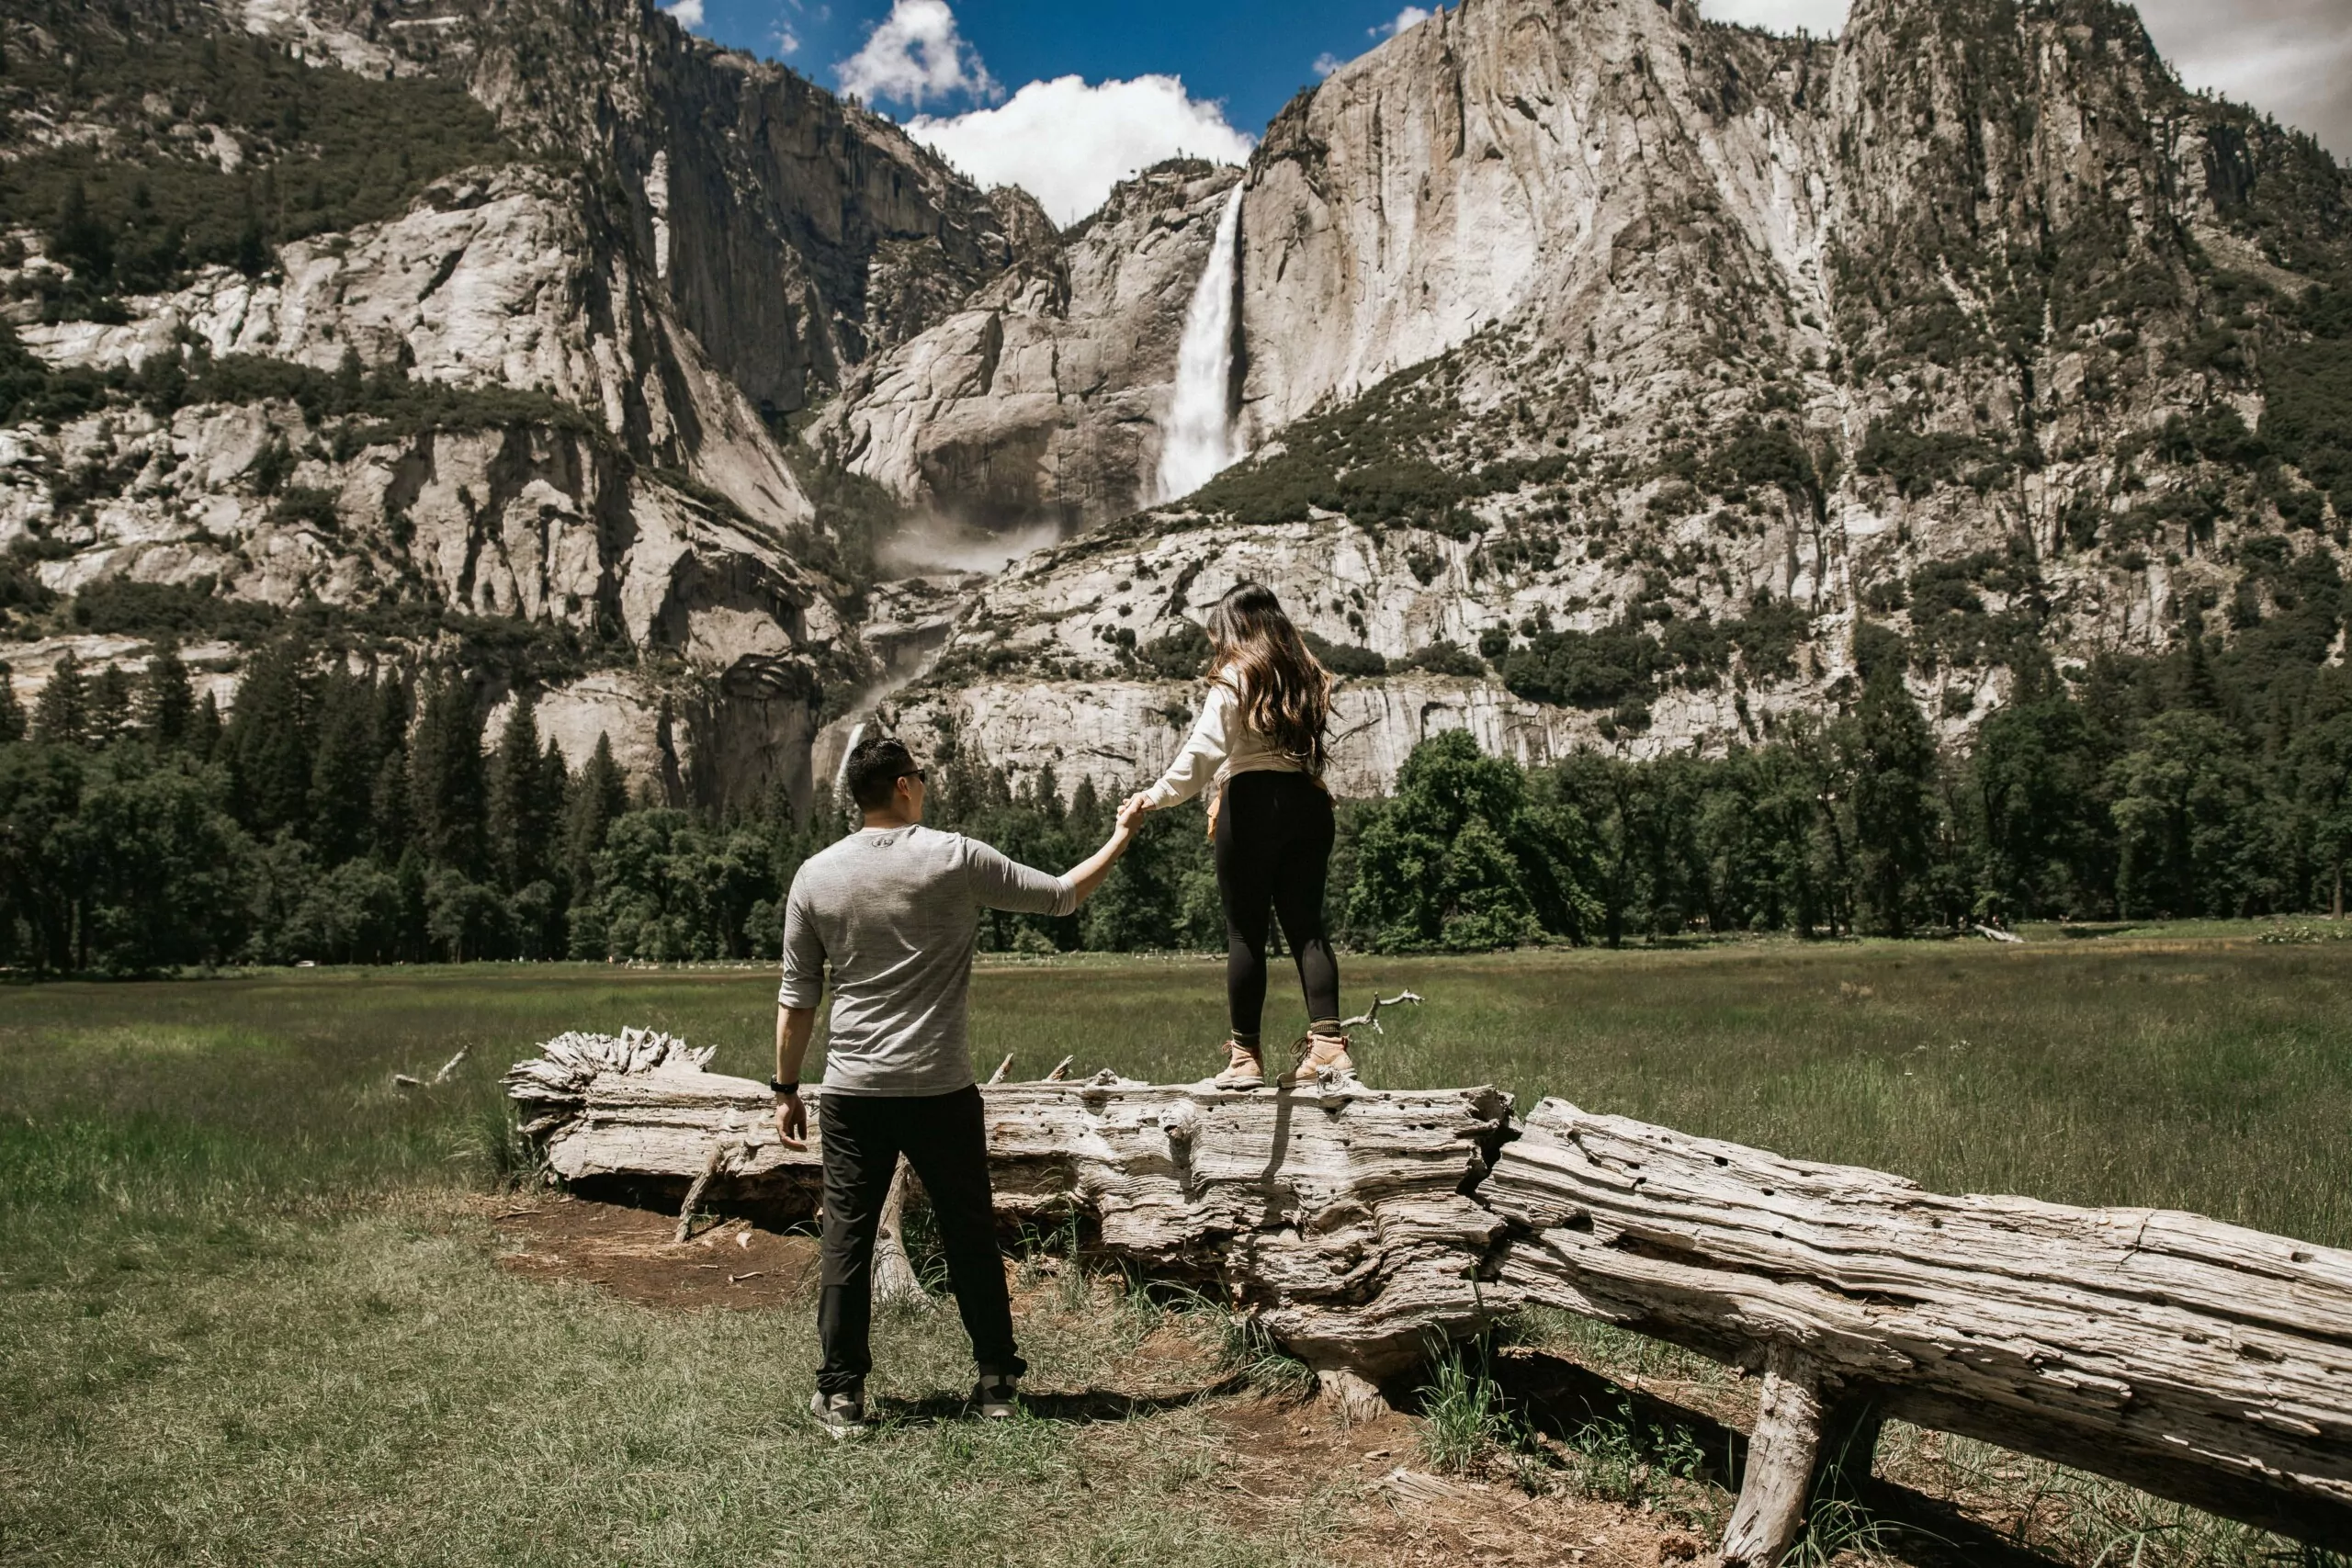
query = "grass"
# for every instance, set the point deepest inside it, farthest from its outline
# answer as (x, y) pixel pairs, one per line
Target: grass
(249, 1309)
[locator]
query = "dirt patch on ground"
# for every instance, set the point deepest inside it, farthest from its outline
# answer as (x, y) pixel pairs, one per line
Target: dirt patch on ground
(1280, 1453)
(630, 1252)
(1287, 1451)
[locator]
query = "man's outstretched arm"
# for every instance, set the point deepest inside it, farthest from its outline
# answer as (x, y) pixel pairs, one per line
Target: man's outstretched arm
(999, 883)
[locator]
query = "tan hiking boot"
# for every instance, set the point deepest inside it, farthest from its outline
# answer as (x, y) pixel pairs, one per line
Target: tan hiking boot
(1322, 1054)
(1246, 1070)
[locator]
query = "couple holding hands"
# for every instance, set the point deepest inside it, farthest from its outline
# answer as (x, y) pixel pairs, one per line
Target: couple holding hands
(893, 911)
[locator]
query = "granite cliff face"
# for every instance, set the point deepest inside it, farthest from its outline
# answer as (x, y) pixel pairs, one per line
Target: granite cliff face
(1039, 402)
(544, 391)
(1598, 322)
(1603, 369)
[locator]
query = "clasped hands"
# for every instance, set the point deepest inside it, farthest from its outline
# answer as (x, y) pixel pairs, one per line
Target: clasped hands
(1132, 810)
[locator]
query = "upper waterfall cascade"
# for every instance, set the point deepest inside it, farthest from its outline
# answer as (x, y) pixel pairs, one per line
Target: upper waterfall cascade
(1199, 426)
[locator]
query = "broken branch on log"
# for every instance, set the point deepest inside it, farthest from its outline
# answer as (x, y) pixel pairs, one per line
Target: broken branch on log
(694, 1193)
(895, 1279)
(1372, 1019)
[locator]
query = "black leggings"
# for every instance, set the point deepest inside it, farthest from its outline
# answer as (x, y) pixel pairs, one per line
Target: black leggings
(1274, 846)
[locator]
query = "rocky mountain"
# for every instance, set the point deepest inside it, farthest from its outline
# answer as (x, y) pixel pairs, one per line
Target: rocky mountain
(1608, 376)
(505, 315)
(1607, 369)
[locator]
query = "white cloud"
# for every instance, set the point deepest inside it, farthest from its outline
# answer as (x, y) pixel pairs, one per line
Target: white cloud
(916, 53)
(1327, 62)
(786, 41)
(1066, 143)
(687, 14)
(1410, 16)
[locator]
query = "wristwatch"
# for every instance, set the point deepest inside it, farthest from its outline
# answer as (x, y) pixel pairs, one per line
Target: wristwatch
(781, 1087)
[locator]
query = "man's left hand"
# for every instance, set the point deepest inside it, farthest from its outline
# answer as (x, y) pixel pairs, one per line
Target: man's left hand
(791, 1122)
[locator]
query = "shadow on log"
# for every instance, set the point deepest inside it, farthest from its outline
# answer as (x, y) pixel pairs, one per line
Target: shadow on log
(2196, 1360)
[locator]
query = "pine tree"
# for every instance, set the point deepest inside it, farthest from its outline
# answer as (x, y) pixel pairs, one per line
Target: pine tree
(11, 712)
(1891, 754)
(524, 811)
(204, 730)
(598, 799)
(388, 814)
(268, 742)
(61, 717)
(446, 790)
(167, 700)
(110, 702)
(343, 768)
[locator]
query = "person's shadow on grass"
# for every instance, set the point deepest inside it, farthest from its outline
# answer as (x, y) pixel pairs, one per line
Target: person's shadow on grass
(1086, 1406)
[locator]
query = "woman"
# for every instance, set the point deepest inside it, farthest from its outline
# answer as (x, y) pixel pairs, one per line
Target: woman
(1259, 738)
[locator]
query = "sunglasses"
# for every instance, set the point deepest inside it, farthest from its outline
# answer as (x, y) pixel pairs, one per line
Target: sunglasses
(916, 774)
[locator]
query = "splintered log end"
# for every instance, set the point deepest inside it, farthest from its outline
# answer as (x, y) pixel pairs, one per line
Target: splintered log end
(1061, 1070)
(1001, 1068)
(1781, 1458)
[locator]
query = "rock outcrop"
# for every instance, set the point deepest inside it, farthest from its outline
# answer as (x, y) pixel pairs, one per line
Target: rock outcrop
(1040, 400)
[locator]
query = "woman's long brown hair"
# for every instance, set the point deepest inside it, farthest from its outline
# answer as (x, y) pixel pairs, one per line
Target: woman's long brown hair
(1285, 692)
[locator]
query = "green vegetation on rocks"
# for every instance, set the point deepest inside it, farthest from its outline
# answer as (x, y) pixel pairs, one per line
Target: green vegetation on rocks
(311, 149)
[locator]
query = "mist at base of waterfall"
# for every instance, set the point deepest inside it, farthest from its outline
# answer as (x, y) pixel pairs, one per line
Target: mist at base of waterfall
(940, 545)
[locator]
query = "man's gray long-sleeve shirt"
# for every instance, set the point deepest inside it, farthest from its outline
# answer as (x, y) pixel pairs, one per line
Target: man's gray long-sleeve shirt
(896, 912)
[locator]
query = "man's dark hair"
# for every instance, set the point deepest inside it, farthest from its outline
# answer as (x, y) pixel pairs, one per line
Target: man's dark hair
(876, 766)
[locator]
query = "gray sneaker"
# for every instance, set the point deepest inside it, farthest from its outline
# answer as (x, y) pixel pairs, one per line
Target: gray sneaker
(842, 1415)
(998, 1399)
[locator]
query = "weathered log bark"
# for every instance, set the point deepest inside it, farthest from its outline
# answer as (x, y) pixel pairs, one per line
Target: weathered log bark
(2198, 1361)
(1337, 1215)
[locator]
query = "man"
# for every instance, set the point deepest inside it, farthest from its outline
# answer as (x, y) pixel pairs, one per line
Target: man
(895, 910)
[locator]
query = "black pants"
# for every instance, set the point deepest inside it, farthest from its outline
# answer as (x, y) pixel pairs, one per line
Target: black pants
(1273, 847)
(943, 1138)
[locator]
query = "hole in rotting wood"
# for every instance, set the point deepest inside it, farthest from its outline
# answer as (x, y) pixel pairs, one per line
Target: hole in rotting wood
(1580, 1221)
(1722, 1159)
(2298, 1258)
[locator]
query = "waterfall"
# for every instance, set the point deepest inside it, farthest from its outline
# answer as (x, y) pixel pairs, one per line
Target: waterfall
(1199, 431)
(841, 770)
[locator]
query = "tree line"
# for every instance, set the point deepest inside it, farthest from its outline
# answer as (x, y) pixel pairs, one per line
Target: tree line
(341, 817)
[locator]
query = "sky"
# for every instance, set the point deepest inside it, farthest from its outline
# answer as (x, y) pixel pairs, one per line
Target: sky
(1065, 97)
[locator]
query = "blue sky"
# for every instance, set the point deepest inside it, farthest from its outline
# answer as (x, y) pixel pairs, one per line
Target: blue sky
(1248, 53)
(1063, 97)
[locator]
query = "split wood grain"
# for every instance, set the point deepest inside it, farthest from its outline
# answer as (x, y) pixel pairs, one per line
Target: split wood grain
(2199, 1361)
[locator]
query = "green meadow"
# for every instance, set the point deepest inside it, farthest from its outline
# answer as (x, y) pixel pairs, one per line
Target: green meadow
(250, 1310)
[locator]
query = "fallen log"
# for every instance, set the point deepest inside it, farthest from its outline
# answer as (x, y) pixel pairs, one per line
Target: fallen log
(2198, 1361)
(1335, 1215)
